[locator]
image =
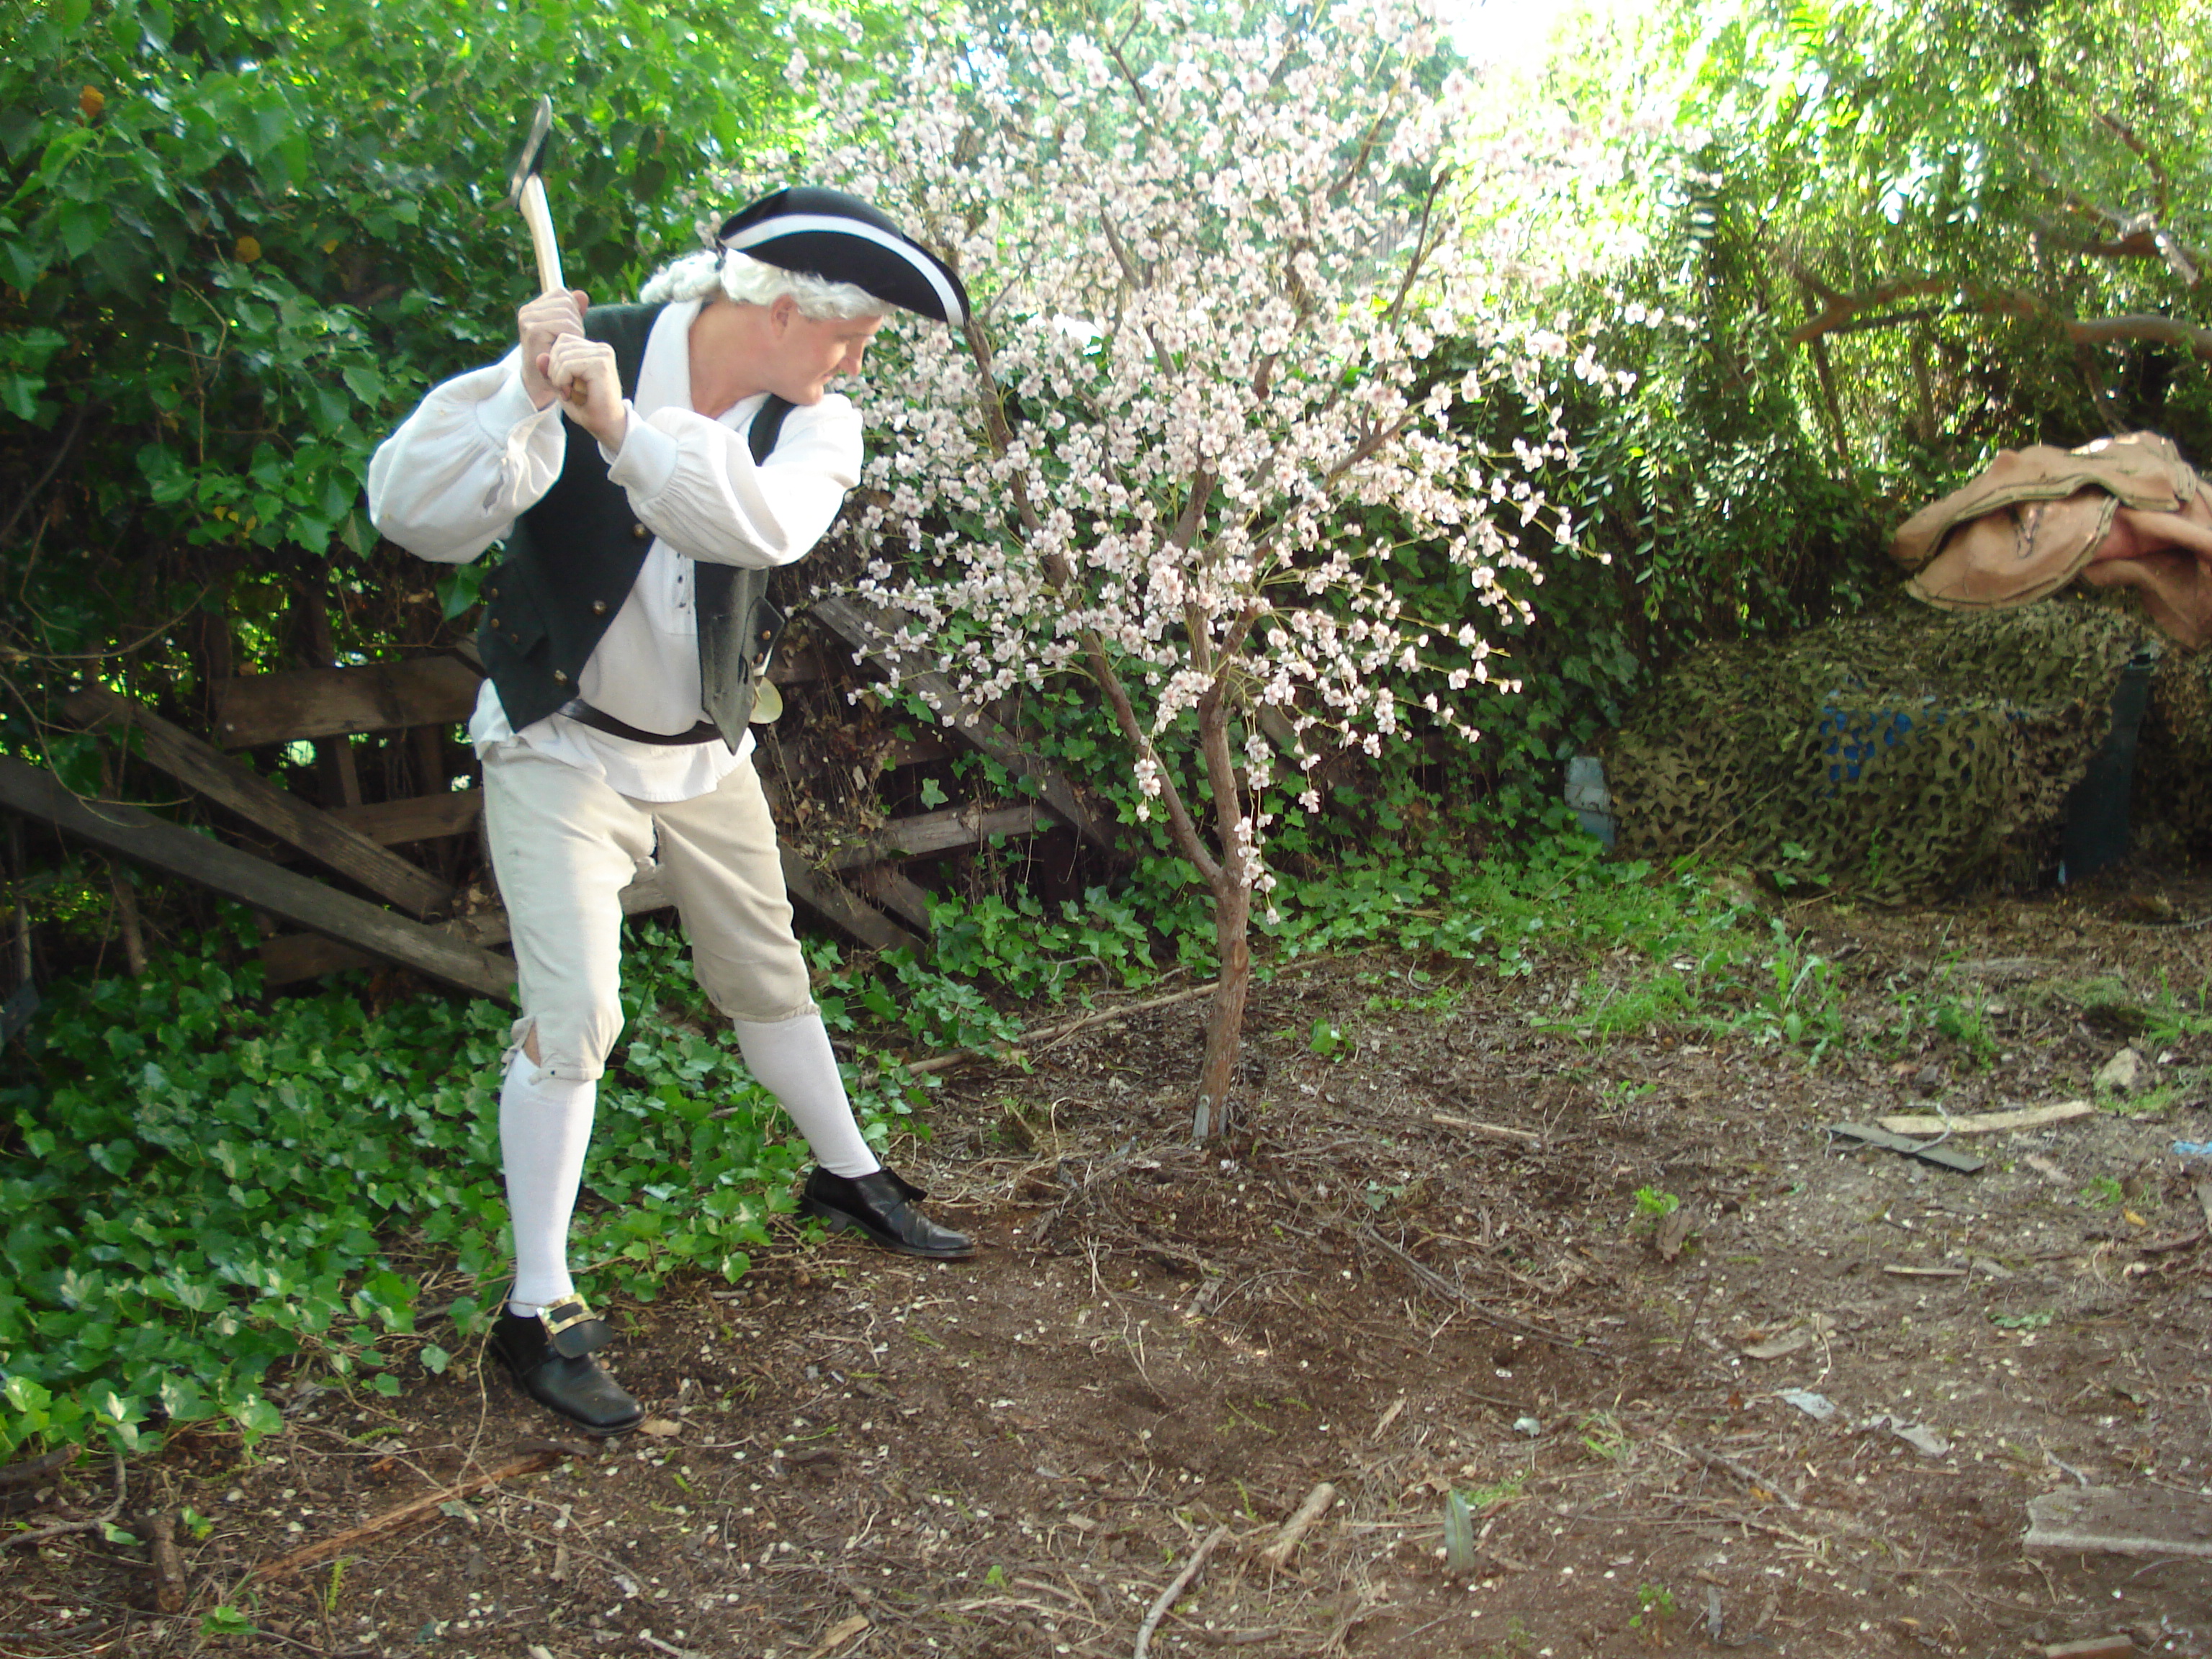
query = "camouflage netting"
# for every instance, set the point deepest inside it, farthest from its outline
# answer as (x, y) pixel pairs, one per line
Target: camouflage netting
(1899, 754)
(2174, 766)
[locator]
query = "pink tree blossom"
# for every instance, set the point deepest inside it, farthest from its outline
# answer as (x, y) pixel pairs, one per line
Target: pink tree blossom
(1213, 249)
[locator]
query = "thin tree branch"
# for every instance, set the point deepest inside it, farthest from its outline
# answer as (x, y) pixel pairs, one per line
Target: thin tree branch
(1167, 1598)
(69, 443)
(1421, 243)
(1842, 314)
(62, 1529)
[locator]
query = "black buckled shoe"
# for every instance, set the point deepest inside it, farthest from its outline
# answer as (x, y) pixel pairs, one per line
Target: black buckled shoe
(549, 1352)
(887, 1207)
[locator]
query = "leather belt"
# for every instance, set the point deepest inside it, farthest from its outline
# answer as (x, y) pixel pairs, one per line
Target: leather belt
(599, 721)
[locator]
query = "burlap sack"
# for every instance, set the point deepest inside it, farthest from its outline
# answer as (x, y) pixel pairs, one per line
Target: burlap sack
(2121, 512)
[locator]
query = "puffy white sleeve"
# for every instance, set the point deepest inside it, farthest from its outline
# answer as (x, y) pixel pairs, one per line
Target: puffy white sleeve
(693, 483)
(472, 457)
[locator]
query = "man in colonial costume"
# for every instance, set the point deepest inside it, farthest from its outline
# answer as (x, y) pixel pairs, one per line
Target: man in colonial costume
(647, 465)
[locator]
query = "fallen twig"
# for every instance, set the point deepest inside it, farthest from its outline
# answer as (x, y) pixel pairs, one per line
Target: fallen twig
(1443, 1286)
(1167, 1599)
(1495, 1131)
(168, 1565)
(1278, 1555)
(1914, 1123)
(37, 1469)
(62, 1529)
(1750, 1477)
(307, 1555)
(1048, 1034)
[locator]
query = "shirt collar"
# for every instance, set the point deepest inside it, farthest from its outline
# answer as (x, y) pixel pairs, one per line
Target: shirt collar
(664, 377)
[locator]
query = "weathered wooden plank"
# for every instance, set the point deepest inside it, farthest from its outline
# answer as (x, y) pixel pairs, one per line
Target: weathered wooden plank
(326, 703)
(292, 957)
(329, 841)
(2121, 1521)
(419, 817)
(138, 834)
(903, 897)
(838, 904)
(941, 832)
(864, 630)
(917, 752)
(795, 667)
(300, 956)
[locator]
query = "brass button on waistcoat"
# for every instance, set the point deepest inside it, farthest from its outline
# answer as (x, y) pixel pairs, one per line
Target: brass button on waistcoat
(560, 676)
(599, 607)
(492, 592)
(638, 532)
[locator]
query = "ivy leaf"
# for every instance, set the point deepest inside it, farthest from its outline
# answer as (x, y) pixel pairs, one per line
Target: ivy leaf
(366, 384)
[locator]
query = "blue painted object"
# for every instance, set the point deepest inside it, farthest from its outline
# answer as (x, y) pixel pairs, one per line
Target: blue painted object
(1853, 739)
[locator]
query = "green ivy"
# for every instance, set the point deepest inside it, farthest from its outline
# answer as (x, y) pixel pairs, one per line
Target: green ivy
(203, 1184)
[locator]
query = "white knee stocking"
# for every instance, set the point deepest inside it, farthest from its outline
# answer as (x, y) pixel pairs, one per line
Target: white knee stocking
(544, 1128)
(793, 1061)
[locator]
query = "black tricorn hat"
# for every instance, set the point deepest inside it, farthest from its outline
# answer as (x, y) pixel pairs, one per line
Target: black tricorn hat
(840, 237)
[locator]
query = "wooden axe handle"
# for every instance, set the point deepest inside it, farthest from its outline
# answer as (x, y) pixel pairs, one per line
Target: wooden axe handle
(540, 218)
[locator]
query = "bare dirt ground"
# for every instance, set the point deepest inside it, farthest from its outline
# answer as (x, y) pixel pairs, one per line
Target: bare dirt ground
(1165, 1352)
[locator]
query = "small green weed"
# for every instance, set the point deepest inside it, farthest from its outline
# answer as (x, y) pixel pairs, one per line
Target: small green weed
(2104, 1192)
(1617, 1095)
(1605, 1438)
(1655, 1606)
(1652, 1205)
(224, 1619)
(1800, 1001)
(2024, 1322)
(1424, 995)
(1327, 1040)
(1945, 1008)
(2153, 1102)
(2175, 1017)
(1485, 1500)
(1795, 870)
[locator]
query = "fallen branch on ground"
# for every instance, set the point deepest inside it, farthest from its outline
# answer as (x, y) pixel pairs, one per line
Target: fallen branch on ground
(392, 1519)
(90, 1523)
(1168, 1596)
(1278, 1555)
(1495, 1131)
(1443, 1286)
(1750, 1477)
(1048, 1033)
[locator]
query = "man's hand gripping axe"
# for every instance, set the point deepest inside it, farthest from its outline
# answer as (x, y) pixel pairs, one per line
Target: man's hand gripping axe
(528, 189)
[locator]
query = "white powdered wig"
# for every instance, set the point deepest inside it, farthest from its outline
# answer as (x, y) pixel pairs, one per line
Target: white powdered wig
(746, 280)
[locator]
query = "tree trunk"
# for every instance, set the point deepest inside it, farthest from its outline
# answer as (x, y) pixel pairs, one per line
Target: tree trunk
(126, 918)
(1225, 1014)
(1230, 880)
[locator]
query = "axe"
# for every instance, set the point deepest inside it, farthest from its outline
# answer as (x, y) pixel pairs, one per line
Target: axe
(528, 189)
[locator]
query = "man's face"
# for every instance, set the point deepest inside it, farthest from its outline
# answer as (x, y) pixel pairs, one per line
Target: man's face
(809, 355)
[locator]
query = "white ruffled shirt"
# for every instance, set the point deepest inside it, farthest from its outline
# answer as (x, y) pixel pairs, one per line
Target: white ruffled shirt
(477, 453)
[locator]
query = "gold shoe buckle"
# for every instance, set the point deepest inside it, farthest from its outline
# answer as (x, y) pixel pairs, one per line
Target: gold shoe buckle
(571, 1314)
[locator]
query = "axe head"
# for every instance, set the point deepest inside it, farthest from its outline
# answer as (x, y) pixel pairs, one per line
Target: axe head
(533, 150)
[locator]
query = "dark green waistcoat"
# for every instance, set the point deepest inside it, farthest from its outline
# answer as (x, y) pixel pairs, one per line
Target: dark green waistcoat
(572, 558)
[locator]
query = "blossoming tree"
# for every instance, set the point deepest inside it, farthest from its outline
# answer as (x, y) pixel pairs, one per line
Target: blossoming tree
(1213, 248)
